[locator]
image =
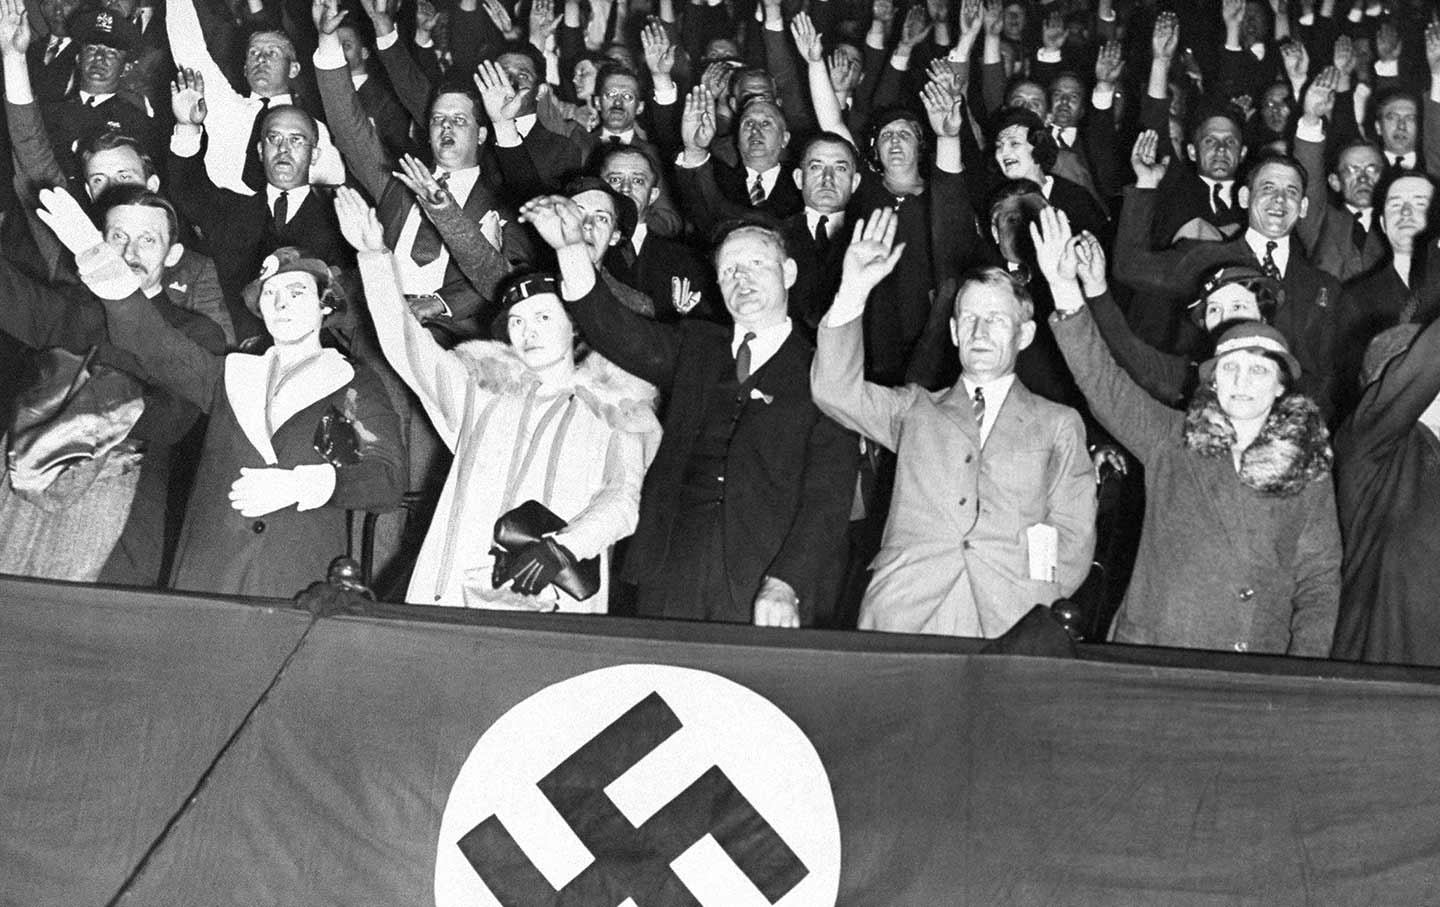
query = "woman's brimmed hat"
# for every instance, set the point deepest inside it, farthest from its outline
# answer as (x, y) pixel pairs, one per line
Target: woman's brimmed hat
(519, 289)
(287, 259)
(1254, 337)
(1265, 288)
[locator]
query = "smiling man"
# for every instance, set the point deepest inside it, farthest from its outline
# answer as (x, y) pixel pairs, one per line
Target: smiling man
(743, 514)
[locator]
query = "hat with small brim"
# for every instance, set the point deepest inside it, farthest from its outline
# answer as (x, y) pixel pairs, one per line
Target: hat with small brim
(1251, 337)
(101, 26)
(286, 260)
(519, 289)
(1253, 279)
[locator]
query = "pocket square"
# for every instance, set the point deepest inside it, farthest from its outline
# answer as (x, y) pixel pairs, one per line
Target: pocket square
(757, 394)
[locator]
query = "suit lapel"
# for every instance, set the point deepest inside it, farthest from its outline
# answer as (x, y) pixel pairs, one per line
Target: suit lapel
(957, 406)
(247, 387)
(1015, 414)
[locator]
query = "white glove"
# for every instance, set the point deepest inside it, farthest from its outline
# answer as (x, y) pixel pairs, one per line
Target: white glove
(261, 491)
(62, 214)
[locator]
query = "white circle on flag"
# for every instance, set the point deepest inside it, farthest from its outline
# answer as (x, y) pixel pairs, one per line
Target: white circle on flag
(723, 725)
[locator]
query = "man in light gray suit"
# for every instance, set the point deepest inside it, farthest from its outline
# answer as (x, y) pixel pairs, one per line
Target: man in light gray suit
(994, 503)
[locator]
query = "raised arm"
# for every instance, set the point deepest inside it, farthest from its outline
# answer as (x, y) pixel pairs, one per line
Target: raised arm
(29, 138)
(1430, 113)
(408, 79)
(837, 375)
(1310, 152)
(822, 92)
(354, 134)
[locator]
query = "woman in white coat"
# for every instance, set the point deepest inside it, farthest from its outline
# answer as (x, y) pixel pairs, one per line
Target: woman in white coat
(526, 420)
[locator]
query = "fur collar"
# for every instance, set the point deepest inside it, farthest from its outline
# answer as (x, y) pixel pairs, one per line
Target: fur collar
(1291, 451)
(622, 400)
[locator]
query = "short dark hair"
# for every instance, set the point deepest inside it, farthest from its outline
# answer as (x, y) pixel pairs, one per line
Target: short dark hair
(524, 49)
(1391, 95)
(111, 140)
(458, 86)
(730, 227)
(1276, 157)
(1354, 142)
(290, 108)
(1208, 108)
(610, 70)
(994, 276)
(830, 138)
(1045, 151)
(127, 194)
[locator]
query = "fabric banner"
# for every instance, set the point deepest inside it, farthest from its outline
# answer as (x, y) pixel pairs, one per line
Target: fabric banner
(475, 759)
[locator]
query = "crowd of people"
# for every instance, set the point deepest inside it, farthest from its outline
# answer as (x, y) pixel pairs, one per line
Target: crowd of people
(905, 316)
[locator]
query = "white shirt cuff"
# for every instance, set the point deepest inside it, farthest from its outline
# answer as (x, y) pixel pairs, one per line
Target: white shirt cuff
(1307, 19)
(666, 95)
(387, 41)
(680, 161)
(317, 483)
(1388, 68)
(1046, 55)
(1102, 98)
(185, 144)
(1305, 132)
(329, 57)
(1355, 14)
(514, 141)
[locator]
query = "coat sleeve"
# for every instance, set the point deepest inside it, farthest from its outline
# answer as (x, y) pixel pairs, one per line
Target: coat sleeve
(352, 131)
(1127, 412)
(436, 376)
(842, 393)
(1070, 503)
(1391, 406)
(646, 349)
(614, 510)
(1317, 574)
(1311, 156)
(1163, 375)
(378, 480)
(175, 360)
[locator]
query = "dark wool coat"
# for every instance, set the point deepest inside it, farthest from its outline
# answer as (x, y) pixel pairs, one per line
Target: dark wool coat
(1389, 467)
(1222, 563)
(279, 553)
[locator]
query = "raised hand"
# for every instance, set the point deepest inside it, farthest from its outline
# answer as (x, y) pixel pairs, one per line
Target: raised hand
(659, 51)
(1055, 247)
(15, 31)
(1432, 46)
(62, 214)
(715, 79)
(1109, 63)
(1148, 171)
(501, 17)
(944, 108)
(187, 97)
(1052, 32)
(502, 102)
(381, 14)
(1232, 12)
(1090, 264)
(426, 17)
(543, 22)
(697, 122)
(993, 18)
(1343, 57)
(883, 12)
(872, 253)
(1297, 61)
(807, 39)
(1166, 36)
(1320, 96)
(418, 179)
(327, 15)
(1387, 41)
(916, 27)
(358, 223)
(844, 72)
(971, 20)
(557, 220)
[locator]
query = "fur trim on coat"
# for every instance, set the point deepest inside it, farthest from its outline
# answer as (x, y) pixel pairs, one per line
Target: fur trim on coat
(627, 403)
(1291, 451)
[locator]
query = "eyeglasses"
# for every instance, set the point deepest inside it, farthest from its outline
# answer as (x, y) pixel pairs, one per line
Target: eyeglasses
(619, 94)
(1353, 170)
(296, 143)
(440, 121)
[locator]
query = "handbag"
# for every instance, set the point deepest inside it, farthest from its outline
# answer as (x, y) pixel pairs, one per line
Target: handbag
(530, 523)
(78, 410)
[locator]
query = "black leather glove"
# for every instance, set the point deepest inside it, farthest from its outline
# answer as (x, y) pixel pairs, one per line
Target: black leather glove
(534, 566)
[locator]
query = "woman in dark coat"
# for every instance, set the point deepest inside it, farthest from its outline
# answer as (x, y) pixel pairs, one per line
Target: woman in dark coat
(297, 435)
(1240, 549)
(1388, 456)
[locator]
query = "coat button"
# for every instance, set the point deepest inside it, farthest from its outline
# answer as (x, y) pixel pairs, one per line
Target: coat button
(965, 544)
(257, 527)
(969, 458)
(963, 501)
(1242, 647)
(1246, 594)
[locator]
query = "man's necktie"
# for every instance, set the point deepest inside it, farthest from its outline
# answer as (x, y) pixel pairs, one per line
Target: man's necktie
(282, 210)
(1358, 231)
(613, 140)
(427, 239)
(979, 406)
(1060, 138)
(742, 358)
(1268, 265)
(1217, 200)
(254, 173)
(90, 101)
(822, 234)
(757, 191)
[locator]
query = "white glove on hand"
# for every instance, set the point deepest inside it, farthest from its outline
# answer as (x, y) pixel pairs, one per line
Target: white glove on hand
(261, 491)
(62, 214)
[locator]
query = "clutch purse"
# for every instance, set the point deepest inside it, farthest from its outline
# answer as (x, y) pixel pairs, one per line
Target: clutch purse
(528, 524)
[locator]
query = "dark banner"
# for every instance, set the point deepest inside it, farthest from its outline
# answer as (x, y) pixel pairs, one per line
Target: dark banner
(531, 762)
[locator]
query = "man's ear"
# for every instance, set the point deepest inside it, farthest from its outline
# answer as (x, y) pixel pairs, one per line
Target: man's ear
(1333, 182)
(1243, 196)
(639, 107)
(1304, 207)
(1190, 150)
(799, 180)
(294, 69)
(482, 133)
(791, 271)
(654, 195)
(1027, 335)
(172, 257)
(855, 183)
(152, 182)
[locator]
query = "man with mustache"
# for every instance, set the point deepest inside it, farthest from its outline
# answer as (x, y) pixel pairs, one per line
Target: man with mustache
(113, 530)
(243, 229)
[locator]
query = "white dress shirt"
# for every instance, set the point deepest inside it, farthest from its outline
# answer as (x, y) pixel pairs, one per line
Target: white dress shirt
(995, 393)
(416, 280)
(767, 341)
(293, 201)
(767, 179)
(1257, 240)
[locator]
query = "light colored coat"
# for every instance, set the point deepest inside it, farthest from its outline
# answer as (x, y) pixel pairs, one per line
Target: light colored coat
(582, 452)
(954, 557)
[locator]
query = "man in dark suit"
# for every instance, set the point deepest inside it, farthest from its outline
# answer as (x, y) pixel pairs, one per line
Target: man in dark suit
(743, 514)
(429, 277)
(713, 192)
(1274, 199)
(243, 229)
(98, 104)
(646, 260)
(1397, 123)
(1205, 192)
(1343, 239)
(828, 175)
(52, 61)
(1388, 295)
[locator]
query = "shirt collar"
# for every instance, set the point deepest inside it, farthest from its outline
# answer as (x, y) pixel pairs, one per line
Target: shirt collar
(359, 78)
(637, 239)
(275, 100)
(293, 200)
(461, 182)
(626, 137)
(99, 98)
(767, 341)
(1257, 241)
(832, 226)
(523, 124)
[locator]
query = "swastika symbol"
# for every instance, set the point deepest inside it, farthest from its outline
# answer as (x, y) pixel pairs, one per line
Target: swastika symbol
(632, 861)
